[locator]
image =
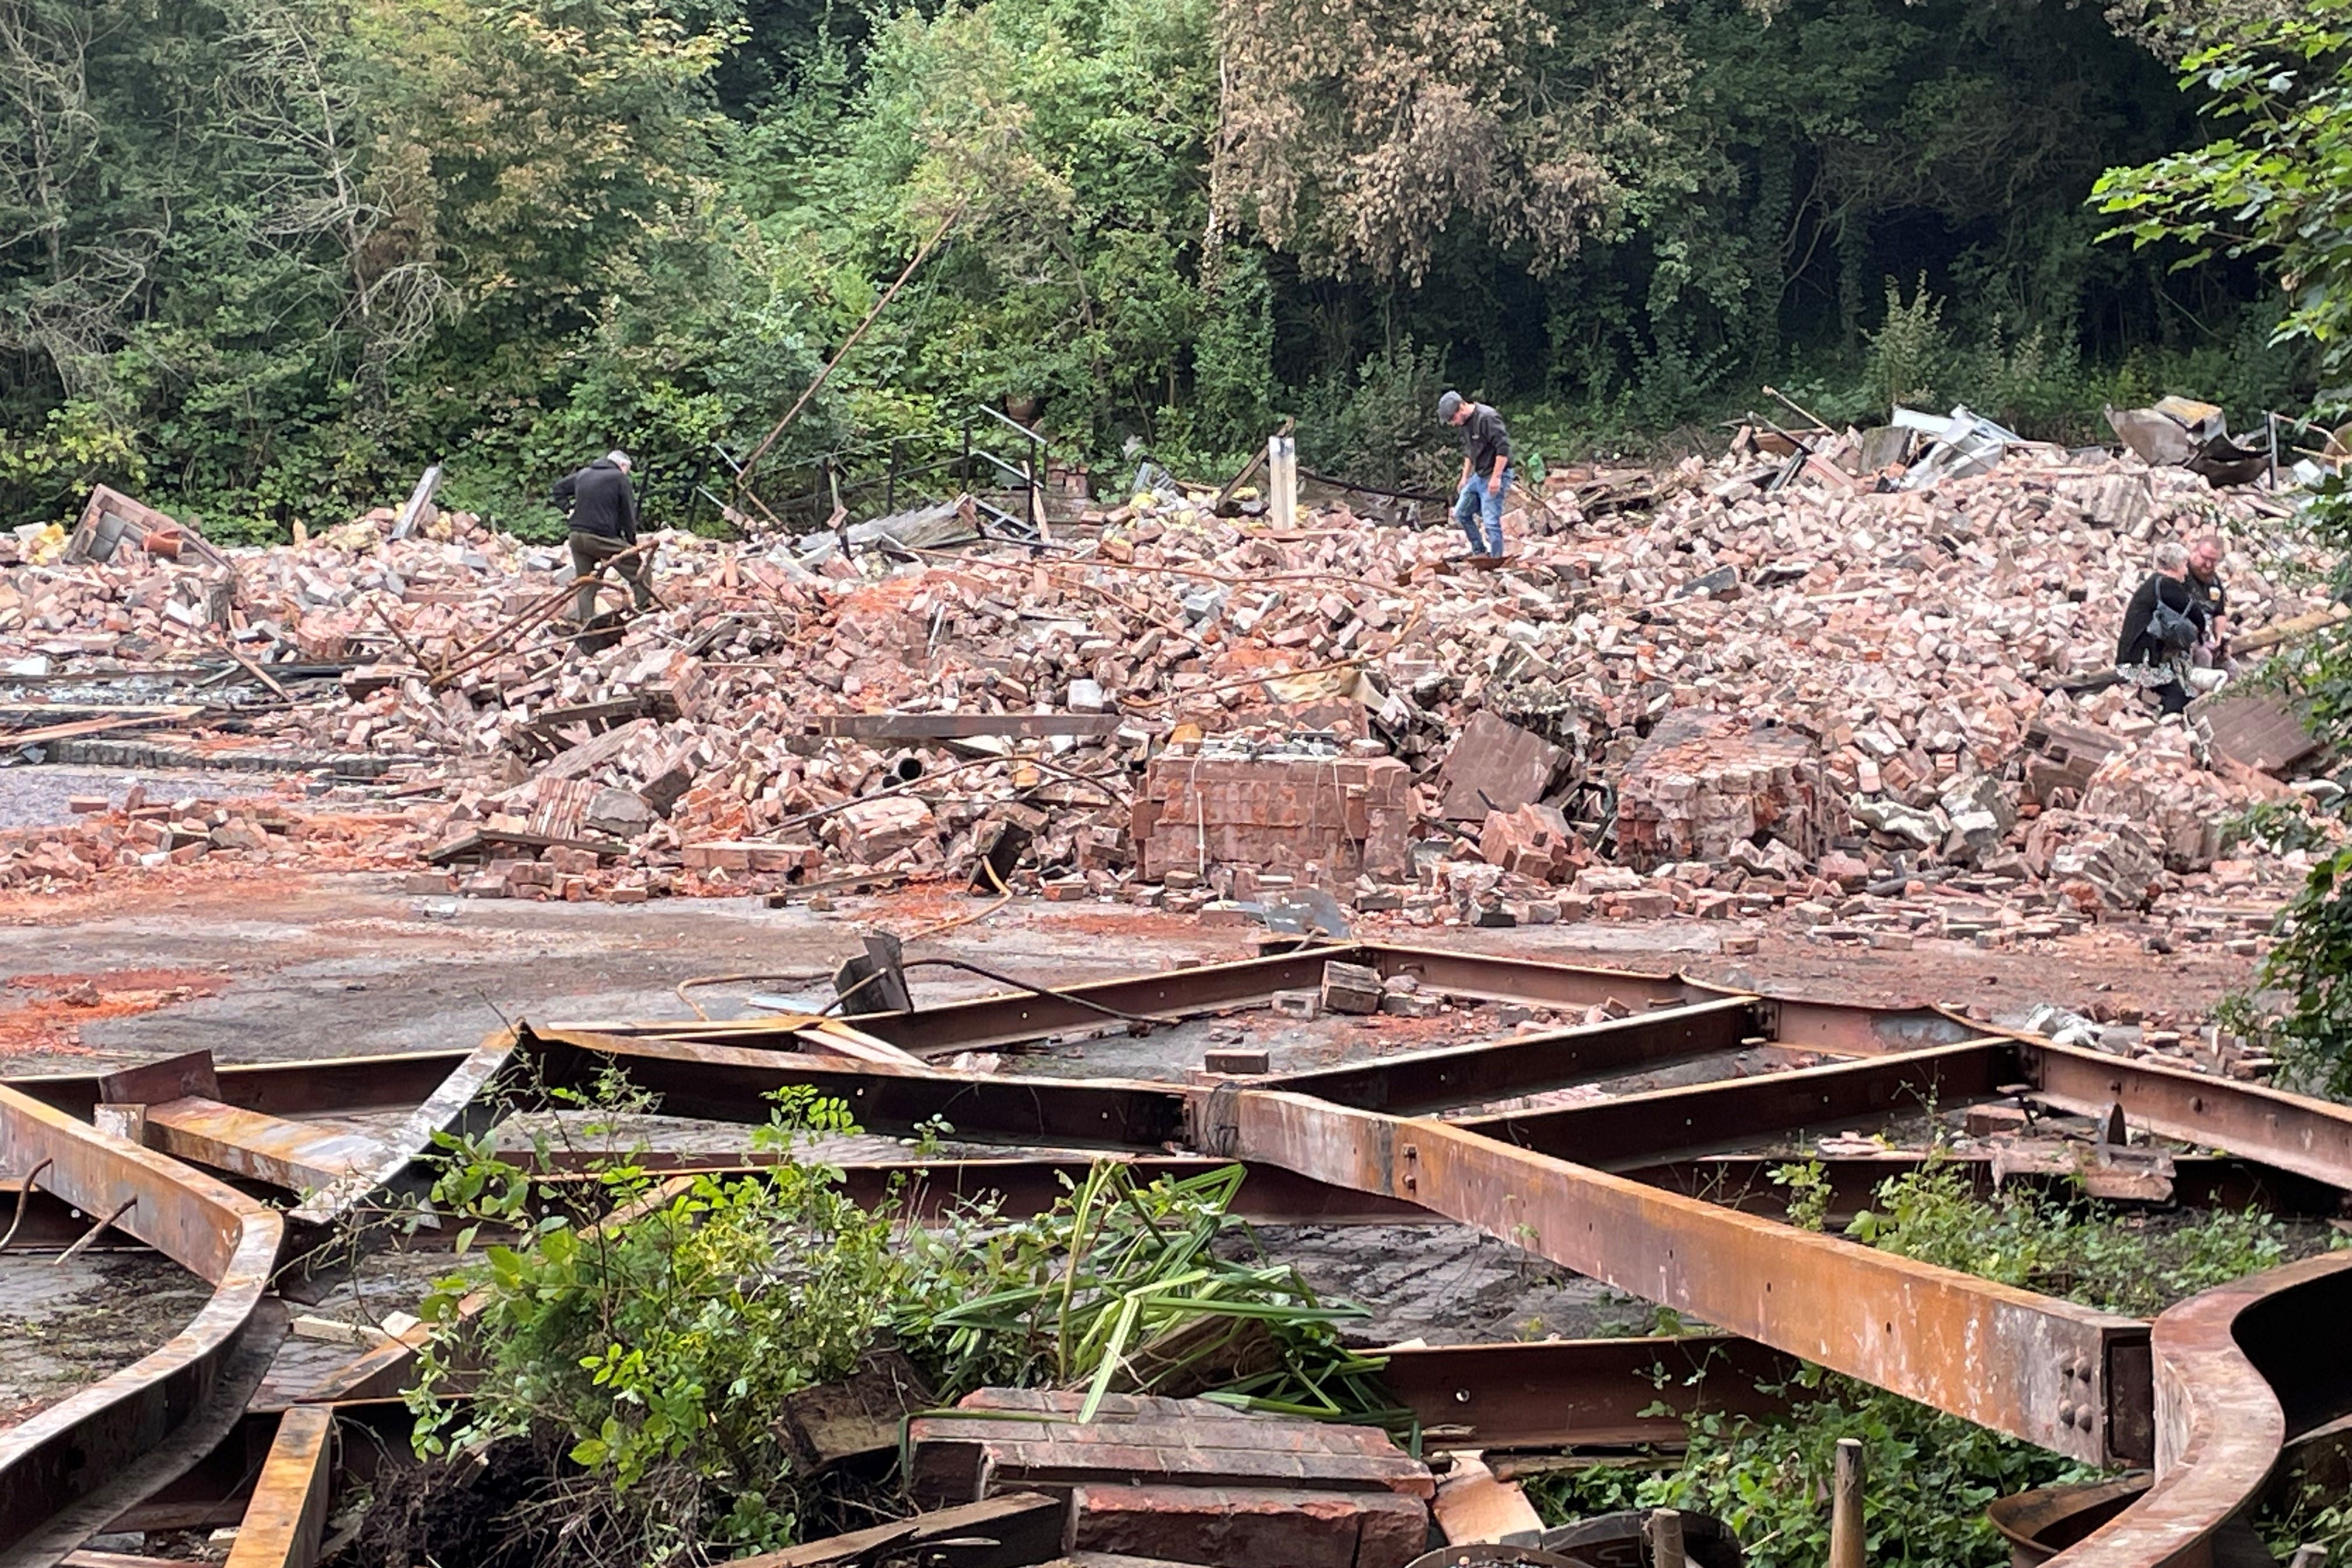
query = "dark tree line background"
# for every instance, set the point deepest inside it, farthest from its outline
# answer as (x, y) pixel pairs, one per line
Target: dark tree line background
(262, 259)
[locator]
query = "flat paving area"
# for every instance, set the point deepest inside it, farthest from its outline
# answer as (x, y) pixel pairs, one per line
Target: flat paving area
(260, 966)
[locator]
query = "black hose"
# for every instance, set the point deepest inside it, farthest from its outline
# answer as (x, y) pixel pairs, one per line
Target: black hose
(1037, 990)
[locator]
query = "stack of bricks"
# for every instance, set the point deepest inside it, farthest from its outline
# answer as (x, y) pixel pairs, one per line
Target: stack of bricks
(1704, 781)
(1183, 1479)
(1345, 816)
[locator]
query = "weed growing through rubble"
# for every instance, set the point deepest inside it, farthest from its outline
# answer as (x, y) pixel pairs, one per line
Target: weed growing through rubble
(1931, 1475)
(1929, 1478)
(2316, 1509)
(619, 1358)
(658, 1342)
(1121, 1287)
(2116, 1263)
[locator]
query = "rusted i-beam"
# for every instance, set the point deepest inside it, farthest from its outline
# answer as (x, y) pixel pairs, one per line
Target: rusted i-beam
(2072, 1380)
(81, 1445)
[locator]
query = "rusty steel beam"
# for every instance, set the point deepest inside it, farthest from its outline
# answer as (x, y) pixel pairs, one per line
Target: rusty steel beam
(218, 1489)
(1666, 1123)
(2199, 1181)
(1019, 1186)
(1837, 1028)
(2309, 1137)
(1422, 1081)
(730, 1083)
(1268, 1196)
(2240, 1370)
(287, 1518)
(1582, 1393)
(2062, 1376)
(460, 1102)
(1008, 1018)
(88, 1444)
(1533, 981)
(334, 1086)
(297, 1156)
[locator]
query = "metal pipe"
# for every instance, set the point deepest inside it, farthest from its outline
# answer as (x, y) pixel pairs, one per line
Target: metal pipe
(23, 1202)
(93, 1233)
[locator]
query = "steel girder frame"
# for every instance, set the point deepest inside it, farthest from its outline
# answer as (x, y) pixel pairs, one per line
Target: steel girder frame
(1813, 1289)
(1006, 1018)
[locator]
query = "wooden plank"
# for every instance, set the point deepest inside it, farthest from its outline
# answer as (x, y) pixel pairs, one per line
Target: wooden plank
(2288, 630)
(1000, 1532)
(961, 726)
(141, 719)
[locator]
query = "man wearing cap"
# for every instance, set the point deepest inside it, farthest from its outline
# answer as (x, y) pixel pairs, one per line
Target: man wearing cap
(602, 513)
(1486, 472)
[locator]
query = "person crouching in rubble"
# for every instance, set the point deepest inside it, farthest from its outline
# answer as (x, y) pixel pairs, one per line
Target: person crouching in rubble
(2212, 655)
(601, 512)
(1486, 472)
(2163, 622)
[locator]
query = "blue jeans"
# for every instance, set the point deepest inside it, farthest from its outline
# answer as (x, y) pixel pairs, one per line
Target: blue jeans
(1478, 502)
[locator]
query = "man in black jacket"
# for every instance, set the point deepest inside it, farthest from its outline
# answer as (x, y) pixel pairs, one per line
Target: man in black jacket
(602, 513)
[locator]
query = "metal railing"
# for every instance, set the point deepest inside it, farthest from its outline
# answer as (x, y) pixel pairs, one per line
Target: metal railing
(881, 478)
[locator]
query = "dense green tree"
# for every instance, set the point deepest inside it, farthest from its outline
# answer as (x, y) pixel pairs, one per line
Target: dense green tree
(263, 258)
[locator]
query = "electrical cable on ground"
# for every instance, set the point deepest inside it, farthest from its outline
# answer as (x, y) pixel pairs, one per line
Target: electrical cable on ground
(1037, 990)
(701, 980)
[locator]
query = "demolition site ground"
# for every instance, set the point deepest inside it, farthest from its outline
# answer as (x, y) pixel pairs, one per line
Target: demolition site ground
(259, 964)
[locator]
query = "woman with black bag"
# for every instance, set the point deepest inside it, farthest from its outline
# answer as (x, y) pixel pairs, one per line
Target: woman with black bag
(2162, 623)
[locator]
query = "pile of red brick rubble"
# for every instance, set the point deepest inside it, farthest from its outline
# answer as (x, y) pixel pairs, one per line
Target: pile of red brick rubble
(1705, 700)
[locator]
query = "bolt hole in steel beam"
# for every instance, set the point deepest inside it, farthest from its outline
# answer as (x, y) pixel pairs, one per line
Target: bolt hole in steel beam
(2308, 1137)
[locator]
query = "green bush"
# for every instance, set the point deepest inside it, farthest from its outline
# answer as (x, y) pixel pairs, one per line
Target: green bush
(657, 1349)
(1380, 425)
(1927, 1477)
(1907, 352)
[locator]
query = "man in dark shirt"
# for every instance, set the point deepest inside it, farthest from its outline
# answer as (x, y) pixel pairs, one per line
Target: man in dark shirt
(2204, 585)
(1486, 472)
(603, 514)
